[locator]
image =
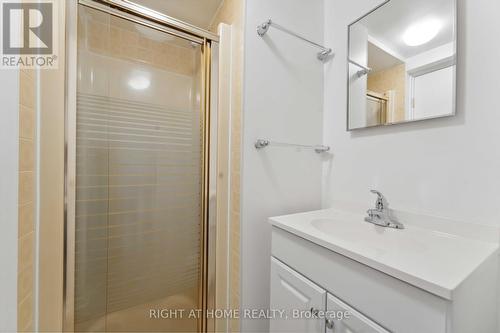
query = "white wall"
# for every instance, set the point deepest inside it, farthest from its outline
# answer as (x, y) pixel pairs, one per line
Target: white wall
(9, 175)
(448, 167)
(425, 58)
(283, 101)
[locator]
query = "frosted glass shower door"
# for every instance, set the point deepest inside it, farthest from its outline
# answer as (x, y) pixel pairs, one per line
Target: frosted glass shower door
(139, 179)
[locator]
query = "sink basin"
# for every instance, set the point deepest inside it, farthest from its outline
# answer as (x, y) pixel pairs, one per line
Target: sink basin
(363, 234)
(424, 257)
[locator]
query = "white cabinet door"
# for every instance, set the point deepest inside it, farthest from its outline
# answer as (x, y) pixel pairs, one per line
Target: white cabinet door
(353, 322)
(300, 298)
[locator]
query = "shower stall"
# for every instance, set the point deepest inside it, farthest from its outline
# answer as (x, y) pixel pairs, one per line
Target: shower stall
(138, 230)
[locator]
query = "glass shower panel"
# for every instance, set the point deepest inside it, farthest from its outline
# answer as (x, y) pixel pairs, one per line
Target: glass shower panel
(139, 162)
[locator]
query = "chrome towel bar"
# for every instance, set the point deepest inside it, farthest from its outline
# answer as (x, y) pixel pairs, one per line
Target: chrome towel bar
(364, 70)
(263, 143)
(322, 55)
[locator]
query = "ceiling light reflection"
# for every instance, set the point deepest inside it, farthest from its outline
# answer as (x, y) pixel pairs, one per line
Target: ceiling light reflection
(422, 32)
(140, 81)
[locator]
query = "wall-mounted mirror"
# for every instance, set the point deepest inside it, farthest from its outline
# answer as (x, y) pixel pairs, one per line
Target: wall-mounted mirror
(401, 63)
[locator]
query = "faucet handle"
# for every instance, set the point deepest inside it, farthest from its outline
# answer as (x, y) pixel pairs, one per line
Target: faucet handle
(381, 202)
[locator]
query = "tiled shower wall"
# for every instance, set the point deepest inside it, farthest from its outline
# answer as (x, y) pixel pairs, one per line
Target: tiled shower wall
(391, 79)
(121, 40)
(26, 232)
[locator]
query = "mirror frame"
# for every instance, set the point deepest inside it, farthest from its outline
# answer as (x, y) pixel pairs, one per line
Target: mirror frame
(455, 62)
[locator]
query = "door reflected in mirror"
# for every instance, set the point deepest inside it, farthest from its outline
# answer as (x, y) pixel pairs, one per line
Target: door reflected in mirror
(402, 63)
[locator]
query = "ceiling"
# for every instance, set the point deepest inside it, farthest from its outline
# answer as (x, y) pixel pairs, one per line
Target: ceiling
(196, 12)
(388, 24)
(378, 59)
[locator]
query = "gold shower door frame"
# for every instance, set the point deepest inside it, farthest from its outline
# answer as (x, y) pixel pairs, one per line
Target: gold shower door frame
(206, 39)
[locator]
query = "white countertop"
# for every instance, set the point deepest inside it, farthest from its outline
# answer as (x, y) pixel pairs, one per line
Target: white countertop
(435, 261)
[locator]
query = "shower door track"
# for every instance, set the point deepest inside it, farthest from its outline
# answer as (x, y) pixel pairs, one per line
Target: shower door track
(141, 15)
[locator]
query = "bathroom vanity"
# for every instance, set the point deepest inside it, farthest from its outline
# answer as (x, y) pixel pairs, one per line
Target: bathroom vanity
(433, 276)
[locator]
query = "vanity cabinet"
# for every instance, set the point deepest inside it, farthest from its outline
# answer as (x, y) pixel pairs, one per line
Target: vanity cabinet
(309, 308)
(308, 276)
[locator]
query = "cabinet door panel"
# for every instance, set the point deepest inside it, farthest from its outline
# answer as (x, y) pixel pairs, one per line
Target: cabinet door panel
(354, 322)
(293, 292)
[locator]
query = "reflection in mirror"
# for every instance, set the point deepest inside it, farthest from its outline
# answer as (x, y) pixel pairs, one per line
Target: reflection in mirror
(402, 63)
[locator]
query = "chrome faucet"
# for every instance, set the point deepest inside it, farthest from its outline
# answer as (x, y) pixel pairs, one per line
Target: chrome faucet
(381, 215)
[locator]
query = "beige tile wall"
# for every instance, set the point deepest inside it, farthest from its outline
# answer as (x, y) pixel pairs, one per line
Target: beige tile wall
(231, 12)
(110, 36)
(26, 232)
(393, 78)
